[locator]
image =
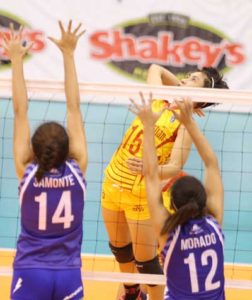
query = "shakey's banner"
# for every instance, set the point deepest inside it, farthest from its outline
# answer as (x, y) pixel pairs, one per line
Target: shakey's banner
(125, 36)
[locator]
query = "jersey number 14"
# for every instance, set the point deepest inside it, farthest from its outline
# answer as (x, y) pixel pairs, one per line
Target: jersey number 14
(62, 215)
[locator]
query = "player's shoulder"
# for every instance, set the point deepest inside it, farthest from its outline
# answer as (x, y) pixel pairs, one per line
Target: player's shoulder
(211, 219)
(75, 169)
(29, 172)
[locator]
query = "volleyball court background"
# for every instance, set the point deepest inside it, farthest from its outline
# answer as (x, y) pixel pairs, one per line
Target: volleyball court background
(229, 133)
(219, 22)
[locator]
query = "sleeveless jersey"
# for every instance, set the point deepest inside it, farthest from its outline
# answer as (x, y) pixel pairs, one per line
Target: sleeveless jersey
(132, 146)
(51, 218)
(193, 261)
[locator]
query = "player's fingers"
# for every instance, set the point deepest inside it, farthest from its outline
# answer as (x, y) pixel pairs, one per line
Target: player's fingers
(5, 38)
(134, 163)
(69, 26)
(142, 98)
(61, 27)
(28, 47)
(188, 102)
(5, 46)
(179, 104)
(81, 33)
(20, 31)
(133, 110)
(199, 112)
(150, 101)
(135, 159)
(77, 28)
(135, 105)
(12, 29)
(55, 41)
(176, 114)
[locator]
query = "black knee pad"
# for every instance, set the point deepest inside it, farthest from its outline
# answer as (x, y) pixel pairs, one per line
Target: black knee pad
(150, 267)
(122, 254)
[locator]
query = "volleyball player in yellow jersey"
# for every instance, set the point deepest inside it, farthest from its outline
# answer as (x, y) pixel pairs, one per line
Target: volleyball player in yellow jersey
(124, 203)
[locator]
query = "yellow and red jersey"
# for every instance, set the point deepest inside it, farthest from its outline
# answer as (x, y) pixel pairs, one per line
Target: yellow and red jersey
(166, 129)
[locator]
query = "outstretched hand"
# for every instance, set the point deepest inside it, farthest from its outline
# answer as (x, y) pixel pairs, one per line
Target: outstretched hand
(14, 45)
(199, 112)
(185, 107)
(69, 38)
(144, 111)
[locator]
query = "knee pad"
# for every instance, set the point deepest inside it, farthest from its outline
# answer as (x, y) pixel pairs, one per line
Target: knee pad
(150, 267)
(123, 254)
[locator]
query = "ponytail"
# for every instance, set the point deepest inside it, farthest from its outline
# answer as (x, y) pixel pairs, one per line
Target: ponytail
(47, 161)
(50, 145)
(186, 212)
(188, 196)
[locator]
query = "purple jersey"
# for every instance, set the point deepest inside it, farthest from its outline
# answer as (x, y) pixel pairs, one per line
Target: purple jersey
(193, 261)
(51, 218)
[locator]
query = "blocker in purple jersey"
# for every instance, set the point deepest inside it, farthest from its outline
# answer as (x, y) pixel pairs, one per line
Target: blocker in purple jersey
(46, 284)
(193, 261)
(51, 218)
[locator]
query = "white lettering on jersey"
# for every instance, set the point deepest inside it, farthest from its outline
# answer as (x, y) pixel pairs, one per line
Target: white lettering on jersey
(50, 182)
(198, 242)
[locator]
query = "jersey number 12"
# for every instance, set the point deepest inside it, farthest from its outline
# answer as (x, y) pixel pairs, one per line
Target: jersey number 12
(209, 284)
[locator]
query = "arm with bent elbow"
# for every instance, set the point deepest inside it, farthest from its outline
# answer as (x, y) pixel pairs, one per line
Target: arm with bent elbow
(158, 75)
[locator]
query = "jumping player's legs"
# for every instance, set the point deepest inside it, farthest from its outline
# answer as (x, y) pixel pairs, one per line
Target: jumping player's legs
(113, 205)
(126, 218)
(145, 252)
(119, 238)
(120, 242)
(113, 215)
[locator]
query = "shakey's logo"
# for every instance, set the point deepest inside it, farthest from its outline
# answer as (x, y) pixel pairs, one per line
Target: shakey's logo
(29, 35)
(174, 41)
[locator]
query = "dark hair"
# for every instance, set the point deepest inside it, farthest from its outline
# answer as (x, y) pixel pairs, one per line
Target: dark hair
(50, 145)
(188, 197)
(214, 80)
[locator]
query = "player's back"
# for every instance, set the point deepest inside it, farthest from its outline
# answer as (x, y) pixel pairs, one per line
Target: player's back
(194, 261)
(51, 218)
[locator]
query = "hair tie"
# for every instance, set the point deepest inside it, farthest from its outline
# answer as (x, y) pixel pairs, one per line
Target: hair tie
(212, 81)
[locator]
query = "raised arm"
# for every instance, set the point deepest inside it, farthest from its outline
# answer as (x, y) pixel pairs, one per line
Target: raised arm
(153, 184)
(158, 75)
(21, 143)
(179, 155)
(76, 131)
(213, 181)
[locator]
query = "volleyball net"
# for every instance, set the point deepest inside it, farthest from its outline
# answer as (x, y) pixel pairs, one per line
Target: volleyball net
(228, 127)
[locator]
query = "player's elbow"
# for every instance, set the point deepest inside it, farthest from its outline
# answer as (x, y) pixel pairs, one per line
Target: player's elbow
(19, 111)
(211, 161)
(150, 170)
(168, 171)
(154, 69)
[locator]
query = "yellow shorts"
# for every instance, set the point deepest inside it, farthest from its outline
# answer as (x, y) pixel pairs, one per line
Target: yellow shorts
(118, 199)
(134, 206)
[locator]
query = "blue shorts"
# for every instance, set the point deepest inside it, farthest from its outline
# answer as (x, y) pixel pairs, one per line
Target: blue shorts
(46, 284)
